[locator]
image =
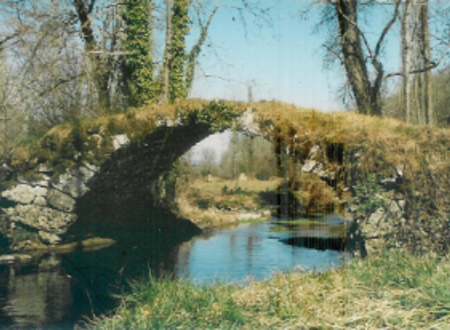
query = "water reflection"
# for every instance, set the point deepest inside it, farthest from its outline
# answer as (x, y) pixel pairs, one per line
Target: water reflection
(249, 250)
(56, 291)
(35, 295)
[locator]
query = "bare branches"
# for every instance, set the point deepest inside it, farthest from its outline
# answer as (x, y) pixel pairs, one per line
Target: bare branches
(373, 55)
(335, 53)
(8, 38)
(61, 82)
(387, 28)
(432, 65)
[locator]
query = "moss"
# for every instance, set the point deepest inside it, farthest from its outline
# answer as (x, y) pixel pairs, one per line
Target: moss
(116, 126)
(21, 233)
(50, 142)
(20, 157)
(32, 176)
(60, 166)
(92, 128)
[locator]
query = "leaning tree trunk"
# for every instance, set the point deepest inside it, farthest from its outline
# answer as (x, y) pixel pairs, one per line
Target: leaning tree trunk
(354, 59)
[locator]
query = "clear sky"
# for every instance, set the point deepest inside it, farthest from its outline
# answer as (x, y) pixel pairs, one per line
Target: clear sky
(282, 61)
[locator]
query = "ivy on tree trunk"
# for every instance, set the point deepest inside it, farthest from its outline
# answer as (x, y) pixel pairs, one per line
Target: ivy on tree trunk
(177, 54)
(138, 45)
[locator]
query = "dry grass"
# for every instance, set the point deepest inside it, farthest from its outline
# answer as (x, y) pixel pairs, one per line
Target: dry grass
(396, 291)
(211, 189)
(222, 209)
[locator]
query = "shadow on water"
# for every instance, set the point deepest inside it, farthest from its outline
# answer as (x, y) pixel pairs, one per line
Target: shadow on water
(331, 232)
(147, 241)
(56, 291)
(318, 243)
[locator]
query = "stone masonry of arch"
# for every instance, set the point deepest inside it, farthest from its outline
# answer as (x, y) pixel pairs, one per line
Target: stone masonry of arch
(117, 165)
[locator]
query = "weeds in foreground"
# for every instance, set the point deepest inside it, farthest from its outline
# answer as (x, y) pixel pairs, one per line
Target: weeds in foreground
(393, 290)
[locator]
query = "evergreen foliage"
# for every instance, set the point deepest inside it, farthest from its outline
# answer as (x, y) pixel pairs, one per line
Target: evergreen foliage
(180, 25)
(138, 44)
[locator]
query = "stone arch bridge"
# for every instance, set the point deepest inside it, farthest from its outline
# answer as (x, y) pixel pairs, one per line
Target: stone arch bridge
(110, 164)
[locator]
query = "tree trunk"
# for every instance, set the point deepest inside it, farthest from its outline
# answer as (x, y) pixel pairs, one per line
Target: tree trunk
(180, 28)
(101, 78)
(353, 57)
(426, 55)
(166, 58)
(406, 60)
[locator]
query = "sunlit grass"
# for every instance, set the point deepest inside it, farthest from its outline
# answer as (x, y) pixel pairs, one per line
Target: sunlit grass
(222, 208)
(393, 290)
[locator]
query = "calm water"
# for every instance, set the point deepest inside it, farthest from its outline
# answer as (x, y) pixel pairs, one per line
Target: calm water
(55, 291)
(249, 251)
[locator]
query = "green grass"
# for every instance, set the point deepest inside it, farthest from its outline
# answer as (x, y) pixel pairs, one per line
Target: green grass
(393, 290)
(299, 222)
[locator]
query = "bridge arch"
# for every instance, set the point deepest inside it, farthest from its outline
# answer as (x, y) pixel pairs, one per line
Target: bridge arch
(116, 160)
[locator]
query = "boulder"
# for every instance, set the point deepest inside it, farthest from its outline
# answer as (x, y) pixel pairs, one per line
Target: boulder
(249, 122)
(309, 166)
(49, 238)
(42, 218)
(24, 194)
(71, 185)
(60, 200)
(120, 140)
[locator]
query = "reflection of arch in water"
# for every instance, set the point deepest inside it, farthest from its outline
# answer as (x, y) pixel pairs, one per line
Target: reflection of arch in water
(35, 294)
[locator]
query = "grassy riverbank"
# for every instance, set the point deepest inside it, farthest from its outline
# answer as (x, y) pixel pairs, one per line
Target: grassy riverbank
(394, 290)
(223, 202)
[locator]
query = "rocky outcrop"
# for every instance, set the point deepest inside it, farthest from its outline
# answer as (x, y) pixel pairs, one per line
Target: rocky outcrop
(44, 207)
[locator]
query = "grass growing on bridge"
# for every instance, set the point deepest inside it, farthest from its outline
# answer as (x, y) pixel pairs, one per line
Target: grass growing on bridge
(393, 290)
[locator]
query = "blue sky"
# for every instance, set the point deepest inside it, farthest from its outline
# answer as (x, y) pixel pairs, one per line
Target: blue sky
(282, 62)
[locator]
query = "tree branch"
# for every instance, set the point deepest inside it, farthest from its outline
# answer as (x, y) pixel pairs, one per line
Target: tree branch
(334, 53)
(387, 28)
(61, 82)
(8, 38)
(432, 65)
(195, 51)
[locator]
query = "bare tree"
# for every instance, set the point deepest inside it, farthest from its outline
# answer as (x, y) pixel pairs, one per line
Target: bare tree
(355, 48)
(406, 59)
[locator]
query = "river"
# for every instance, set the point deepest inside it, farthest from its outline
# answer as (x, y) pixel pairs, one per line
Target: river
(55, 291)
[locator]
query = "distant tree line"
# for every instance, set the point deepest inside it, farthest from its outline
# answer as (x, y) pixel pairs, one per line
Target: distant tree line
(253, 156)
